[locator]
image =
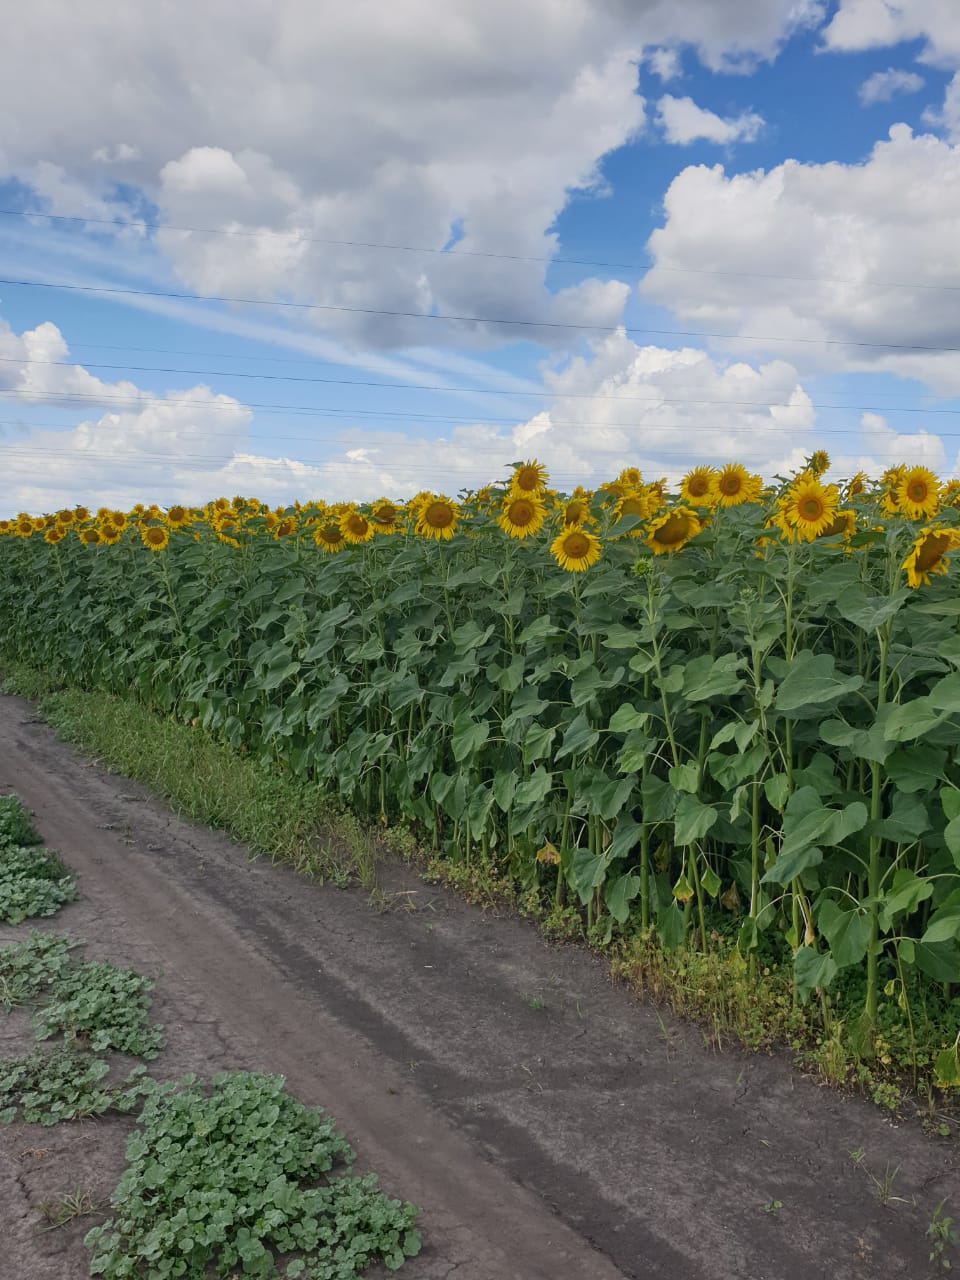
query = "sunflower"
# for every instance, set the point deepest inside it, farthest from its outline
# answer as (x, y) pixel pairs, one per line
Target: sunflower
(65, 516)
(221, 504)
(110, 534)
(950, 493)
(810, 507)
(576, 549)
(81, 515)
(928, 555)
(6, 528)
(385, 516)
(818, 462)
(574, 511)
(177, 516)
(521, 517)
(356, 528)
(844, 524)
(329, 537)
(436, 517)
(90, 537)
(54, 535)
(635, 502)
(674, 530)
(918, 493)
(155, 537)
(24, 526)
(285, 527)
(630, 477)
(856, 485)
(735, 485)
(117, 518)
(529, 479)
(699, 487)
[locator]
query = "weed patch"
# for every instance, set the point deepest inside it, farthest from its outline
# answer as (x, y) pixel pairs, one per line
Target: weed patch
(49, 1087)
(242, 1177)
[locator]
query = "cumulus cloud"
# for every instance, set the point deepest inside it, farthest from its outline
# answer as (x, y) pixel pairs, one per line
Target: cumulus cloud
(883, 86)
(683, 122)
(664, 63)
(844, 262)
(947, 118)
(333, 122)
(878, 24)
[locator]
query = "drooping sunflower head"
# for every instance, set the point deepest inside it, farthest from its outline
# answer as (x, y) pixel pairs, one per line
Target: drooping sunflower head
(221, 504)
(529, 479)
(950, 493)
(928, 555)
(810, 507)
(286, 527)
(436, 517)
(735, 485)
(575, 549)
(673, 530)
(521, 516)
(630, 477)
(574, 510)
(918, 493)
(155, 537)
(385, 516)
(856, 485)
(329, 537)
(54, 535)
(81, 515)
(90, 537)
(355, 527)
(699, 487)
(818, 462)
(843, 525)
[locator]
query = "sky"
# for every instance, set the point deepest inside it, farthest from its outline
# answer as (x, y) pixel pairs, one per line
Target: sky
(316, 250)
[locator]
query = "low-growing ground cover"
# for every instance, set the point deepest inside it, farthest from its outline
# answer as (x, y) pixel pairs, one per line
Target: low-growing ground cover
(33, 880)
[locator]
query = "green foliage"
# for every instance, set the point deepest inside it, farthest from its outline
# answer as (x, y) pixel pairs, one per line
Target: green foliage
(15, 825)
(242, 1177)
(30, 967)
(48, 1087)
(33, 883)
(105, 1006)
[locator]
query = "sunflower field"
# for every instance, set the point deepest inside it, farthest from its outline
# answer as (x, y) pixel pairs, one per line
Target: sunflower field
(730, 713)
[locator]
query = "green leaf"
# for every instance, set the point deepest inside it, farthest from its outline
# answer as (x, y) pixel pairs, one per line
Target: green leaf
(848, 933)
(619, 893)
(586, 874)
(541, 628)
(945, 694)
(693, 819)
(580, 736)
(912, 720)
(537, 743)
(627, 717)
(707, 677)
(807, 824)
(742, 732)
(863, 744)
(916, 768)
(470, 636)
(669, 926)
(812, 969)
(812, 680)
(469, 735)
(777, 790)
(504, 787)
(944, 926)
(685, 777)
(869, 613)
(710, 882)
(938, 960)
(906, 893)
(534, 789)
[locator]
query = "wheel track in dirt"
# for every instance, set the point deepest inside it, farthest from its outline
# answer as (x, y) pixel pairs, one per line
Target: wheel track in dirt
(574, 1141)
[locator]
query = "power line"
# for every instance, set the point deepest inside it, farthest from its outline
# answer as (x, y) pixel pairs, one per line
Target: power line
(768, 339)
(414, 386)
(454, 252)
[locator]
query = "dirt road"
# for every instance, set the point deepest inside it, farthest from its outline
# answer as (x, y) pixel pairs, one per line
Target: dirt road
(549, 1125)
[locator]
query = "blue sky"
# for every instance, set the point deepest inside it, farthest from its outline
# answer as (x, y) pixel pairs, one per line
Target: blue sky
(760, 197)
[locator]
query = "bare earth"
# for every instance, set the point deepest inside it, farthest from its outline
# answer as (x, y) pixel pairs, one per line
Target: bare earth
(585, 1140)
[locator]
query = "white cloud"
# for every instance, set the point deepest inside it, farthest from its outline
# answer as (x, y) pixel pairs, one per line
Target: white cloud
(883, 86)
(817, 253)
(878, 24)
(664, 63)
(683, 122)
(358, 122)
(947, 118)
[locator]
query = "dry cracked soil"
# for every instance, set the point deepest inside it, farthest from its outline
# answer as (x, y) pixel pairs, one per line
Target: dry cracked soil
(550, 1126)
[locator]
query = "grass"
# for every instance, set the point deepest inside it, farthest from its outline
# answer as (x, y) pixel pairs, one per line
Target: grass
(286, 819)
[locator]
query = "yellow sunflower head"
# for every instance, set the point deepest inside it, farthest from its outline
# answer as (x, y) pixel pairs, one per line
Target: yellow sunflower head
(674, 530)
(818, 462)
(6, 528)
(286, 527)
(118, 518)
(918, 493)
(436, 517)
(356, 528)
(24, 525)
(329, 537)
(843, 525)
(177, 516)
(699, 487)
(65, 517)
(950, 493)
(810, 507)
(575, 549)
(630, 477)
(928, 555)
(574, 510)
(735, 485)
(529, 479)
(90, 537)
(385, 516)
(856, 485)
(155, 537)
(110, 534)
(54, 535)
(521, 516)
(634, 502)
